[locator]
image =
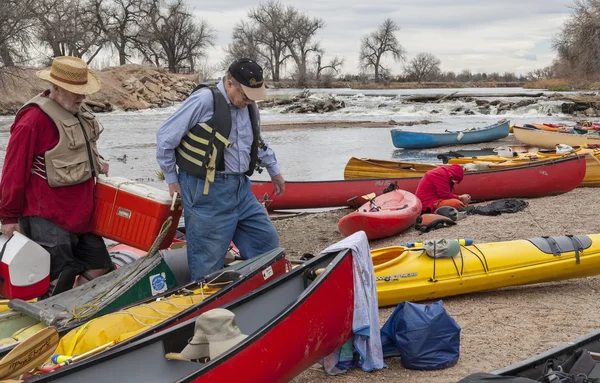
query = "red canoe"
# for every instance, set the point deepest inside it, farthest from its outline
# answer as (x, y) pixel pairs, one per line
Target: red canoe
(292, 323)
(536, 180)
(398, 210)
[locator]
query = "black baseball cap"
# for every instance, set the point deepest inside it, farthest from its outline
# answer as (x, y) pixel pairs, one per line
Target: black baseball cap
(250, 75)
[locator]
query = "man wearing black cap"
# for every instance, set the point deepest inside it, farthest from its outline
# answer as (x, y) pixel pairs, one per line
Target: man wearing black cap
(214, 140)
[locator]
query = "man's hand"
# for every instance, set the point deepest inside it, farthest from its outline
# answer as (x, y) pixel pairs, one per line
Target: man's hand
(9, 228)
(464, 198)
(278, 184)
(174, 187)
(105, 167)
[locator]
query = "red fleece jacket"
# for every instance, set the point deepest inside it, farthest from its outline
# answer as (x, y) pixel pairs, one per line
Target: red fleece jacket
(24, 194)
(436, 185)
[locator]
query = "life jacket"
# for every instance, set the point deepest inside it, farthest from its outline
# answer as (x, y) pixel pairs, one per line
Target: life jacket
(75, 158)
(201, 151)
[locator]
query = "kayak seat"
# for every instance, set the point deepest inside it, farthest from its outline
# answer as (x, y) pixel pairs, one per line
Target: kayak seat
(562, 244)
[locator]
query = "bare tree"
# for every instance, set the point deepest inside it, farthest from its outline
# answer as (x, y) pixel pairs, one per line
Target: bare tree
(245, 44)
(423, 67)
(269, 20)
(578, 43)
(334, 65)
(298, 36)
(16, 25)
(170, 34)
(69, 28)
(119, 21)
(377, 44)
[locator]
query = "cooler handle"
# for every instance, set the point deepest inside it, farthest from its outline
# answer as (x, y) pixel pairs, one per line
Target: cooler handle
(173, 201)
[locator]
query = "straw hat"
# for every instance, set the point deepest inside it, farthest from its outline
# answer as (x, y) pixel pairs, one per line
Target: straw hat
(214, 333)
(72, 74)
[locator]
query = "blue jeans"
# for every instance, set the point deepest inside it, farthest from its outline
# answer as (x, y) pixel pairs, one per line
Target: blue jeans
(229, 212)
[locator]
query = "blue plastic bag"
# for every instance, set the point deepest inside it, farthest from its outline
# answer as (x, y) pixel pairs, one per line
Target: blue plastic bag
(425, 337)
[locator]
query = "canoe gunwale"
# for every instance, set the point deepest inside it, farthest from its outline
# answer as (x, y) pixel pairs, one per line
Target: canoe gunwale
(569, 346)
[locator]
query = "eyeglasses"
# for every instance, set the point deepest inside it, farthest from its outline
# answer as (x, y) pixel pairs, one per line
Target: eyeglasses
(243, 94)
(241, 90)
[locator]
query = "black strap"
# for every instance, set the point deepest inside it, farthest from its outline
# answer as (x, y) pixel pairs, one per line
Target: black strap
(577, 246)
(553, 246)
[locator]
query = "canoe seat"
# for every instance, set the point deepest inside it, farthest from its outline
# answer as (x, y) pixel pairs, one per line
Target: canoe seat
(178, 356)
(562, 244)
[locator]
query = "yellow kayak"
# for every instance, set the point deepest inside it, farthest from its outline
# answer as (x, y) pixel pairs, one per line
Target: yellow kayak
(410, 274)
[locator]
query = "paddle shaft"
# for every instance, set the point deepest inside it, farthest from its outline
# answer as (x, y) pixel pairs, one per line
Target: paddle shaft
(46, 369)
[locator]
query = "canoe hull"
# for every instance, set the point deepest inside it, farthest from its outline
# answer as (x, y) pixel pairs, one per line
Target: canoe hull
(411, 276)
(399, 211)
(549, 140)
(535, 180)
(422, 140)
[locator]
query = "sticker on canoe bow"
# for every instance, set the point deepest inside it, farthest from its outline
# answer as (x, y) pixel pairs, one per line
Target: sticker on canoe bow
(158, 283)
(267, 272)
(392, 278)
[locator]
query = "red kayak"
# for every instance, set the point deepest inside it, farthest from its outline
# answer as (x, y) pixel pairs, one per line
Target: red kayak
(536, 180)
(388, 214)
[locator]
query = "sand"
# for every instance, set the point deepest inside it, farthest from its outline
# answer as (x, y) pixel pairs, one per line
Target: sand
(499, 327)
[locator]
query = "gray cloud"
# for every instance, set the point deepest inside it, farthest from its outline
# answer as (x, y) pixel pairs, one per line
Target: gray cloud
(507, 36)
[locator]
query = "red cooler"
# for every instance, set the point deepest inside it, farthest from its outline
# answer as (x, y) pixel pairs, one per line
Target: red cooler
(133, 213)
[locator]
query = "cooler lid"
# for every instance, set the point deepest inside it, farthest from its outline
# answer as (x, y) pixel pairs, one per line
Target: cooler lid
(137, 188)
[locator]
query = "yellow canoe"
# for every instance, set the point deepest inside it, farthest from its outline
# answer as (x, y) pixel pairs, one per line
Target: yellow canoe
(410, 274)
(360, 168)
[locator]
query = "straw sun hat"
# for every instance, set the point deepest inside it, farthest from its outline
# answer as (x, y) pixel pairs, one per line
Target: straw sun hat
(72, 74)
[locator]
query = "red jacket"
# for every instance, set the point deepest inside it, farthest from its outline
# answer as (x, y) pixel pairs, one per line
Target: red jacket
(437, 185)
(24, 194)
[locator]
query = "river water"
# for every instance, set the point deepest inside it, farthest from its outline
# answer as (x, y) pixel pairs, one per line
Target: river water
(128, 141)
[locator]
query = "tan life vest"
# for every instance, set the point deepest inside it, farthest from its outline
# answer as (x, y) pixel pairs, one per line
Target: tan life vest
(75, 159)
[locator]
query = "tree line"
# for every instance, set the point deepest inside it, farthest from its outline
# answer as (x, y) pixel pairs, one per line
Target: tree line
(166, 33)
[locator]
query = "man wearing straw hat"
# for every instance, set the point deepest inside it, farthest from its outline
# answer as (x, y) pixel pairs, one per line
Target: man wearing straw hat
(48, 178)
(214, 140)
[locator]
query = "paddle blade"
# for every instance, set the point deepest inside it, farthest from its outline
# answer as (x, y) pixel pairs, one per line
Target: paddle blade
(369, 196)
(29, 354)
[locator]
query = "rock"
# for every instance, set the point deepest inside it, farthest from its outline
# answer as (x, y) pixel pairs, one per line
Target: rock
(150, 79)
(93, 104)
(481, 102)
(590, 112)
(152, 87)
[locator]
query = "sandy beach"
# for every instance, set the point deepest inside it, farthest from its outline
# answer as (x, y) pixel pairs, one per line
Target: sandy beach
(499, 327)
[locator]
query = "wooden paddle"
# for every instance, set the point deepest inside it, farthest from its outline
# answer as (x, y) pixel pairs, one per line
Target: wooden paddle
(94, 351)
(29, 354)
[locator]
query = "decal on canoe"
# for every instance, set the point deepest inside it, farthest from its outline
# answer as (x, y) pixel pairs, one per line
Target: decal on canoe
(392, 278)
(267, 273)
(158, 283)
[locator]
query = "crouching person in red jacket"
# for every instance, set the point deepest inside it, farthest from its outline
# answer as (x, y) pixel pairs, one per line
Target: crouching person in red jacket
(435, 188)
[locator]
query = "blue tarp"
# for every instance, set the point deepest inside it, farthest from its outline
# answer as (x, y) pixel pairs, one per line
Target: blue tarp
(425, 337)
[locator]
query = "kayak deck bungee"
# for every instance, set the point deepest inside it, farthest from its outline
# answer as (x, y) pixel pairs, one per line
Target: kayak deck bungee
(410, 274)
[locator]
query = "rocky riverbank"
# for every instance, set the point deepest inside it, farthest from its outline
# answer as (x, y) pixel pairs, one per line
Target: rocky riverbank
(127, 87)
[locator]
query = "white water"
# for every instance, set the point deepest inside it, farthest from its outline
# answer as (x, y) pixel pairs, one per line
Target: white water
(319, 153)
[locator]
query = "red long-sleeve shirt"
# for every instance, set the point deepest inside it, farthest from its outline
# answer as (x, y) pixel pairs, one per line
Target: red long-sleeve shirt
(24, 194)
(436, 185)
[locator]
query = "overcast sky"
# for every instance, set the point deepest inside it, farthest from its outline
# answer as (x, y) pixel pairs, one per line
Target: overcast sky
(480, 35)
